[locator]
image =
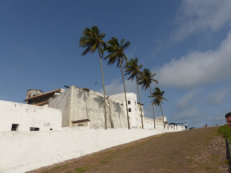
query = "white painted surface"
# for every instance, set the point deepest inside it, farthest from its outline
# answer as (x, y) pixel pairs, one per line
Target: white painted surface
(134, 115)
(27, 116)
(24, 151)
(77, 104)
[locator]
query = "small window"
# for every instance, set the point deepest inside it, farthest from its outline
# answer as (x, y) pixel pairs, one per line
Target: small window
(129, 102)
(14, 127)
(129, 109)
(34, 129)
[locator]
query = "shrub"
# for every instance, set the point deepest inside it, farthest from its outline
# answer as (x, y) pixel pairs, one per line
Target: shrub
(225, 131)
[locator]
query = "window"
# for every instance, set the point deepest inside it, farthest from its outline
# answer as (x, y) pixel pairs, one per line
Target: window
(129, 102)
(129, 109)
(14, 127)
(34, 129)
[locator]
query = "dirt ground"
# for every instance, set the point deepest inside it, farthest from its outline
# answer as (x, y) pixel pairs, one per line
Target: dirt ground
(196, 151)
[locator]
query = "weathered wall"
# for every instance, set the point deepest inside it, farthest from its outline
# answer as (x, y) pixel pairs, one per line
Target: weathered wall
(24, 151)
(134, 114)
(90, 104)
(78, 104)
(149, 123)
(28, 116)
(63, 102)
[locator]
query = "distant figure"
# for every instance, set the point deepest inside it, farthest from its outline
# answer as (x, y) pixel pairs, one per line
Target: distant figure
(206, 125)
(228, 118)
(186, 125)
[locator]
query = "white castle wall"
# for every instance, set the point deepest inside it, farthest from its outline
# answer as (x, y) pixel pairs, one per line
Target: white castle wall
(134, 115)
(77, 104)
(27, 116)
(149, 123)
(25, 151)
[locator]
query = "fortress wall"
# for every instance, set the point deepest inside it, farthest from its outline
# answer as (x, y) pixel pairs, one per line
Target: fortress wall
(90, 105)
(25, 151)
(26, 116)
(78, 104)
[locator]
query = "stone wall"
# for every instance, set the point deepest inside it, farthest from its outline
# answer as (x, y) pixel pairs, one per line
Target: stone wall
(78, 104)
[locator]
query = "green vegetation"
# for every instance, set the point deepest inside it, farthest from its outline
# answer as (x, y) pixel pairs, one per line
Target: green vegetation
(92, 41)
(225, 131)
(146, 80)
(117, 55)
(157, 99)
(81, 170)
(133, 69)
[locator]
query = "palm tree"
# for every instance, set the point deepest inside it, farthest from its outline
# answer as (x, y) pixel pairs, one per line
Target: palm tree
(116, 55)
(92, 40)
(157, 99)
(134, 71)
(146, 80)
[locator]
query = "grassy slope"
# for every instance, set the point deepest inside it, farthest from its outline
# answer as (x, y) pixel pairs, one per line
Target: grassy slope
(199, 150)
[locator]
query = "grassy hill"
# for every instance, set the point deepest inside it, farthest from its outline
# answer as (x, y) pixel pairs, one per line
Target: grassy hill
(198, 151)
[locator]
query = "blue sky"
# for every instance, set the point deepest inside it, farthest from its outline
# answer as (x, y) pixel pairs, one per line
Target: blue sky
(186, 42)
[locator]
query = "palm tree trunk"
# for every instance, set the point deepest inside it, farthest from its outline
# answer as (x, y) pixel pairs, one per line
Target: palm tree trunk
(104, 91)
(138, 92)
(125, 94)
(153, 111)
(162, 114)
(110, 117)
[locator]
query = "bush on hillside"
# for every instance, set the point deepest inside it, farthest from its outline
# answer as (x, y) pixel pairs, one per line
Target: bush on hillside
(225, 131)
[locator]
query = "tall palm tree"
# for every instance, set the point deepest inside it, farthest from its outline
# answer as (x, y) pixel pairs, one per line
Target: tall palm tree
(146, 80)
(157, 99)
(92, 40)
(116, 55)
(133, 69)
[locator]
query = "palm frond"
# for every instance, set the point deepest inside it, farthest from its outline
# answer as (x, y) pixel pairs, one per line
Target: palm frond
(86, 51)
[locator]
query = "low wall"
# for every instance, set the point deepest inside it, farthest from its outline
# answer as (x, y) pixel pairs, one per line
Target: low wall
(25, 151)
(26, 116)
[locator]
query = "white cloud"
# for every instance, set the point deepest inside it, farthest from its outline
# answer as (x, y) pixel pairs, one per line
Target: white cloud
(196, 16)
(188, 99)
(188, 114)
(186, 106)
(116, 86)
(198, 68)
(217, 97)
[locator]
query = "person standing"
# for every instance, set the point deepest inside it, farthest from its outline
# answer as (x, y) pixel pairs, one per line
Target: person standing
(186, 126)
(228, 118)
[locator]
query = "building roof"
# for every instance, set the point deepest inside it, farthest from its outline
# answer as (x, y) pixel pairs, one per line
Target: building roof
(43, 94)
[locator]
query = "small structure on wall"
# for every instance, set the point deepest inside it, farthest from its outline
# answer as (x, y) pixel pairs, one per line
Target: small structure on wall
(38, 98)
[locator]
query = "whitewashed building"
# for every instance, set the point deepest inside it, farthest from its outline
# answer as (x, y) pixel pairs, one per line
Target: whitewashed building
(24, 117)
(73, 107)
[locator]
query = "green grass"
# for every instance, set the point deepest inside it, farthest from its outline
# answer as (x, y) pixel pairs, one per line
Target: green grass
(81, 169)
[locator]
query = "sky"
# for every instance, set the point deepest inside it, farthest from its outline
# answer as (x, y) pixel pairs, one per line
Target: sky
(187, 43)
